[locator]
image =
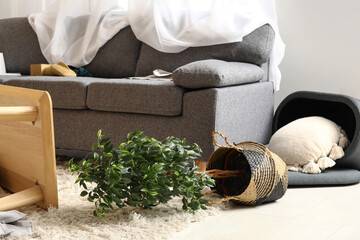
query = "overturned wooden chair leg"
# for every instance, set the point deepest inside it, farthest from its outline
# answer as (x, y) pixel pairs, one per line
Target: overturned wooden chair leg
(23, 198)
(27, 148)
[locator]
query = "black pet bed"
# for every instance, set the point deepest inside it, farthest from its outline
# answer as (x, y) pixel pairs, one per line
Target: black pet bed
(344, 111)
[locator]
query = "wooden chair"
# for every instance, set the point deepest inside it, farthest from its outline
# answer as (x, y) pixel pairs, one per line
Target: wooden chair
(27, 148)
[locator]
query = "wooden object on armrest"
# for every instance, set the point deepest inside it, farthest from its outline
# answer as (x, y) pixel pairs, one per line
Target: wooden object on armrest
(39, 69)
(60, 69)
(27, 148)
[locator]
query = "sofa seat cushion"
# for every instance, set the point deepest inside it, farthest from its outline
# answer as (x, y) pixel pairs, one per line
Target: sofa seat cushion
(65, 92)
(156, 96)
(2, 80)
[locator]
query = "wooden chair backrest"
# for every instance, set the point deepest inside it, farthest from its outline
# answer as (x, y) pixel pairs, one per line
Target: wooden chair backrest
(27, 148)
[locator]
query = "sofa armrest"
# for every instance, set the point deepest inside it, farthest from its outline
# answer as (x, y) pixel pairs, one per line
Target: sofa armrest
(216, 73)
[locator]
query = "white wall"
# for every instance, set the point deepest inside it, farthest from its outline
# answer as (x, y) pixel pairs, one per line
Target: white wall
(5, 9)
(322, 40)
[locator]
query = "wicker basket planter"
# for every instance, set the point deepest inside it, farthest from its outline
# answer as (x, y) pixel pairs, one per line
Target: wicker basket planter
(251, 174)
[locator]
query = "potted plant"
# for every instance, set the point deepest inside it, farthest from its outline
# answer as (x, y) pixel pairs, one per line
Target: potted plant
(141, 172)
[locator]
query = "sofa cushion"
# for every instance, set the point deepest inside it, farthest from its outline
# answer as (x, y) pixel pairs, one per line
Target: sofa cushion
(118, 57)
(65, 92)
(20, 45)
(158, 97)
(4, 78)
(216, 73)
(332, 176)
(255, 48)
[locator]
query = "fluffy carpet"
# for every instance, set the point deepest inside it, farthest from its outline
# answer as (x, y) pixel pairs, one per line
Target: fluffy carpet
(74, 220)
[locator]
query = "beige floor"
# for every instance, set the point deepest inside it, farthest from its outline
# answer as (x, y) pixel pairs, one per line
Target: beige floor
(303, 213)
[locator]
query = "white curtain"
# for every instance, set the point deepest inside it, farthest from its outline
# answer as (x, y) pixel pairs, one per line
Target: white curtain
(22, 8)
(72, 32)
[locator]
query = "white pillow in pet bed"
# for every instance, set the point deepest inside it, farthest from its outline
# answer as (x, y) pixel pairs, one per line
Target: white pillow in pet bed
(309, 144)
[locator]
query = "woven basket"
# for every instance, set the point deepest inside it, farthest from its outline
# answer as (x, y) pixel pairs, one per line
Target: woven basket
(247, 173)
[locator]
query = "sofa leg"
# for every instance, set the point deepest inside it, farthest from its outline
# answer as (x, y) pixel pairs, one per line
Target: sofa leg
(201, 165)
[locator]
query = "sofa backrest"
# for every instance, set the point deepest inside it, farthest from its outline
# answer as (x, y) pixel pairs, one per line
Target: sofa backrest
(118, 57)
(254, 48)
(19, 43)
(124, 56)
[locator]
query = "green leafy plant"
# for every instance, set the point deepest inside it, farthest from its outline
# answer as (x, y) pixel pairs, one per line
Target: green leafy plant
(141, 172)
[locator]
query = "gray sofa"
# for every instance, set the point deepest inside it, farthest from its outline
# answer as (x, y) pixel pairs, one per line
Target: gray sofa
(221, 87)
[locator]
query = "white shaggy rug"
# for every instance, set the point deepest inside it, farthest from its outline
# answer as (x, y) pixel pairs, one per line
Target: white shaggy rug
(74, 220)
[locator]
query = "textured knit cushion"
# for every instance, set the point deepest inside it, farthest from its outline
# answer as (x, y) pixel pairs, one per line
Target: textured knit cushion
(308, 144)
(216, 73)
(254, 48)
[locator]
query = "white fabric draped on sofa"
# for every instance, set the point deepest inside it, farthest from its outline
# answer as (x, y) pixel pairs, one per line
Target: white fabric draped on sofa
(72, 33)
